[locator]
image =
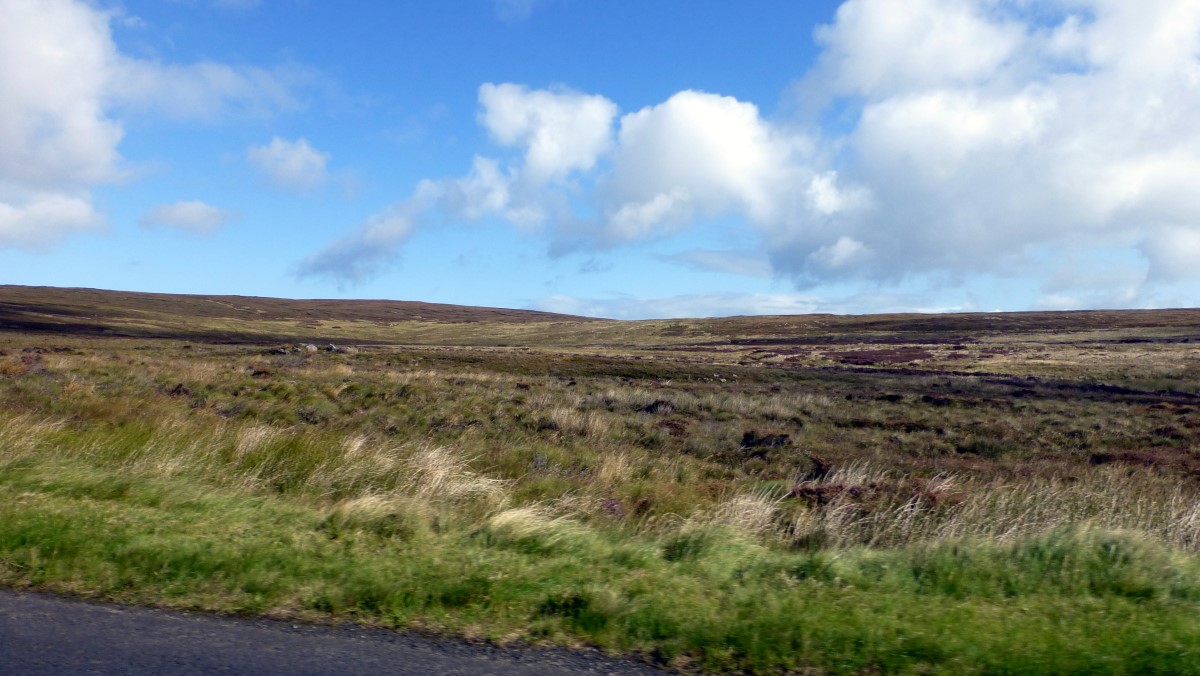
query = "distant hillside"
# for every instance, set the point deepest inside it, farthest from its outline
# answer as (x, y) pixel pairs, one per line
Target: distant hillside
(100, 312)
(247, 319)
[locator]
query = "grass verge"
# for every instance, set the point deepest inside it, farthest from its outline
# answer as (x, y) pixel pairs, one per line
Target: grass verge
(1074, 600)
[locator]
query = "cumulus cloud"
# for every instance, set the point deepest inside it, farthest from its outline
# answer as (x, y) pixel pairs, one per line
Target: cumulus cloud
(560, 131)
(986, 130)
(881, 46)
(63, 82)
(294, 165)
(651, 172)
(191, 216)
(963, 137)
(59, 133)
(41, 221)
(55, 141)
(697, 154)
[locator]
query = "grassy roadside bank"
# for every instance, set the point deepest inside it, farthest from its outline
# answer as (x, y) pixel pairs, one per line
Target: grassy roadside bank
(129, 517)
(1071, 601)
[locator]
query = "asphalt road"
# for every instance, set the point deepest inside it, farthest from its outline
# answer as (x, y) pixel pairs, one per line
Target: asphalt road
(45, 634)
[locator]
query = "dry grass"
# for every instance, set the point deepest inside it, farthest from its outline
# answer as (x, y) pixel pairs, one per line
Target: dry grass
(863, 507)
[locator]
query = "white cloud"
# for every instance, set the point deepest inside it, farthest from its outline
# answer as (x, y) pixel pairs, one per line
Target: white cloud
(62, 78)
(41, 221)
(294, 165)
(700, 156)
(827, 198)
(55, 64)
(1150, 38)
(987, 130)
(656, 214)
(880, 46)
(56, 139)
(696, 153)
(486, 189)
(937, 133)
(845, 251)
(191, 216)
(561, 131)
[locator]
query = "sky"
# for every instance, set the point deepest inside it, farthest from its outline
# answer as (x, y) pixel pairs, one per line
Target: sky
(612, 158)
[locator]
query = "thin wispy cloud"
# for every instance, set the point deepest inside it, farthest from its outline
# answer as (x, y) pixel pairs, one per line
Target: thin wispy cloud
(729, 262)
(513, 11)
(192, 216)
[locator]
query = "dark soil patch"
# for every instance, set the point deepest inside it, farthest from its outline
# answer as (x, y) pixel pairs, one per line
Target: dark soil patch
(874, 494)
(659, 406)
(889, 425)
(752, 439)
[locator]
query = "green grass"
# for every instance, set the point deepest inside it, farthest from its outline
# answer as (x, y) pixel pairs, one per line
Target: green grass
(296, 527)
(1070, 601)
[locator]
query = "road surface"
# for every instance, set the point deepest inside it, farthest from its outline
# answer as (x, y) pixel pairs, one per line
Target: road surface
(45, 634)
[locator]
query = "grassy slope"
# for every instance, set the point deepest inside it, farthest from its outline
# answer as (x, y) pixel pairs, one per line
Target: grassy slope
(952, 494)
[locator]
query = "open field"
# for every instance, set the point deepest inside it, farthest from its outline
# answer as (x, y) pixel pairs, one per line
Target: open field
(905, 493)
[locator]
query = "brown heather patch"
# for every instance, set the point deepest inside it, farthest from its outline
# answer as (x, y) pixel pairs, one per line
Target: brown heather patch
(12, 366)
(899, 355)
(1163, 457)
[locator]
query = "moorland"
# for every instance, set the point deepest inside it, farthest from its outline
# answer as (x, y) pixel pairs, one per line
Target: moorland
(959, 493)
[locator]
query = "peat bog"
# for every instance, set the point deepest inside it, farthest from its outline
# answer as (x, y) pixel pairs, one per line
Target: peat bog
(895, 493)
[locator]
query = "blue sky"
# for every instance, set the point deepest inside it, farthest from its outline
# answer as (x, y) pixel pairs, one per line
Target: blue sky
(619, 159)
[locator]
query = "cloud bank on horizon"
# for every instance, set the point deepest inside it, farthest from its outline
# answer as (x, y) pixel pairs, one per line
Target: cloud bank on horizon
(981, 131)
(934, 140)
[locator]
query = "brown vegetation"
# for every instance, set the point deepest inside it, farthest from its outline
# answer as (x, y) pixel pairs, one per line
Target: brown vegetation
(579, 412)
